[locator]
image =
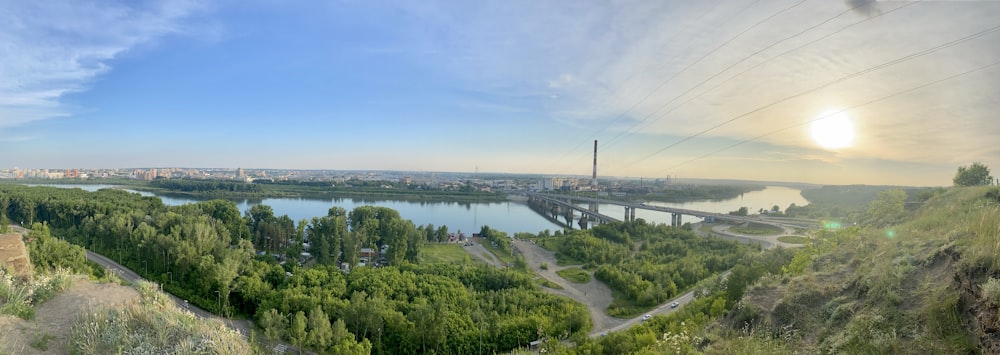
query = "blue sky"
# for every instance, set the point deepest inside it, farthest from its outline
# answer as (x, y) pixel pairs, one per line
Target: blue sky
(721, 89)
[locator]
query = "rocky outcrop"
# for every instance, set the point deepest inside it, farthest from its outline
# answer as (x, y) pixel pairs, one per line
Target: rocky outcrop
(14, 255)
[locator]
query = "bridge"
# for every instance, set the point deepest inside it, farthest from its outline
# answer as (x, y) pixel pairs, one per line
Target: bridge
(565, 204)
(553, 208)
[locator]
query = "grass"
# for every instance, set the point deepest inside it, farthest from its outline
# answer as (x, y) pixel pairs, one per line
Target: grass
(501, 254)
(756, 229)
(891, 290)
(574, 275)
(563, 260)
(153, 325)
(20, 294)
(622, 307)
(41, 341)
(444, 254)
(990, 292)
(793, 239)
(545, 282)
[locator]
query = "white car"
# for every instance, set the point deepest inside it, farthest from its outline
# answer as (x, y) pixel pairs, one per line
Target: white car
(674, 304)
(646, 317)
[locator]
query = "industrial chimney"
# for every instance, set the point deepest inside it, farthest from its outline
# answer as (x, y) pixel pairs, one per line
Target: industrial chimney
(593, 179)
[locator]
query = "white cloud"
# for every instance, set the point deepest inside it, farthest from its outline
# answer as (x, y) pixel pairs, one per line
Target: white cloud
(51, 48)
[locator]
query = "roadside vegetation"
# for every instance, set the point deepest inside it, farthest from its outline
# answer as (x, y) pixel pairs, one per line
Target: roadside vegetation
(756, 229)
(153, 325)
(793, 239)
(574, 275)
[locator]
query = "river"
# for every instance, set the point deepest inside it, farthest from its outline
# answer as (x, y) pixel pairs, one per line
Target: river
(753, 201)
(509, 216)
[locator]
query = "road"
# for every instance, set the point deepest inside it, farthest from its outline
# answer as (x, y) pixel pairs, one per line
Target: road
(595, 294)
(768, 241)
(242, 326)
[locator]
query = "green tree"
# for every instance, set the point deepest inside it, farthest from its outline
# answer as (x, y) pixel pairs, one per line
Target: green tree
(273, 324)
(887, 208)
(973, 175)
(297, 332)
(4, 222)
(320, 334)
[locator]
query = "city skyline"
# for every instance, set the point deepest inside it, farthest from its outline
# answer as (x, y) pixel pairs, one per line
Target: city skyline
(841, 92)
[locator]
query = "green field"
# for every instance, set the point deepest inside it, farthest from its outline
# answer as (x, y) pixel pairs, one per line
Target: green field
(574, 275)
(545, 282)
(756, 229)
(793, 239)
(443, 254)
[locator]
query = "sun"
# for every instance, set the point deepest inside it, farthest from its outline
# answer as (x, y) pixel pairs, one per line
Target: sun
(833, 130)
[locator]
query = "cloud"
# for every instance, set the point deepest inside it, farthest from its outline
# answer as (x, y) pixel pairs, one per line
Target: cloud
(52, 48)
(864, 7)
(660, 71)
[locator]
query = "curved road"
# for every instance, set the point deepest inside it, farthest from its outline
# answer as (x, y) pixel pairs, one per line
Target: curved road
(768, 241)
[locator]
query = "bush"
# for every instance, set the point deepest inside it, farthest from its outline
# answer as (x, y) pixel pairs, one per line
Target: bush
(990, 292)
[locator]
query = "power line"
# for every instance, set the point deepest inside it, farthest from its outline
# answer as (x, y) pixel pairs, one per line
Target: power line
(663, 83)
(720, 72)
(823, 86)
(744, 59)
(899, 93)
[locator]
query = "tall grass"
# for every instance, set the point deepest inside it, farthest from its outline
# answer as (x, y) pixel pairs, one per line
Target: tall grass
(152, 325)
(20, 294)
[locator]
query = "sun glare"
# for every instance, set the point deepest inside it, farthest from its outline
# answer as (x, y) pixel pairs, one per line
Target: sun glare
(833, 130)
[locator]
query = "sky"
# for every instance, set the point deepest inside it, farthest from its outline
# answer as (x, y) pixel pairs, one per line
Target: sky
(909, 90)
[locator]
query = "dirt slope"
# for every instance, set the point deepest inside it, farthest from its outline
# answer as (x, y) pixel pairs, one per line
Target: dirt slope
(14, 255)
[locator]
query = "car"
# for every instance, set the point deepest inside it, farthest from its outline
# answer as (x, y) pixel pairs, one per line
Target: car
(674, 304)
(646, 317)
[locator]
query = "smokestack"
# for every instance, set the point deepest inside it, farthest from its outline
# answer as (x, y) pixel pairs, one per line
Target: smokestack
(593, 179)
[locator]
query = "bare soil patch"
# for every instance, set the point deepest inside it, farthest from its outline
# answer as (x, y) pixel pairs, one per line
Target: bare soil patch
(14, 254)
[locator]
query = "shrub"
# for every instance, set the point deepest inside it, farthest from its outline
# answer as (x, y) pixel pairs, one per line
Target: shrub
(990, 292)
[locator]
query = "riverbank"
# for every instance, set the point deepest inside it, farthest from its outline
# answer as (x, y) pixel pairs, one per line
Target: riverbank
(236, 191)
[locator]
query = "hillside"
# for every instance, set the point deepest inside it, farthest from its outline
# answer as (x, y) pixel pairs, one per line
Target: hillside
(926, 285)
(54, 310)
